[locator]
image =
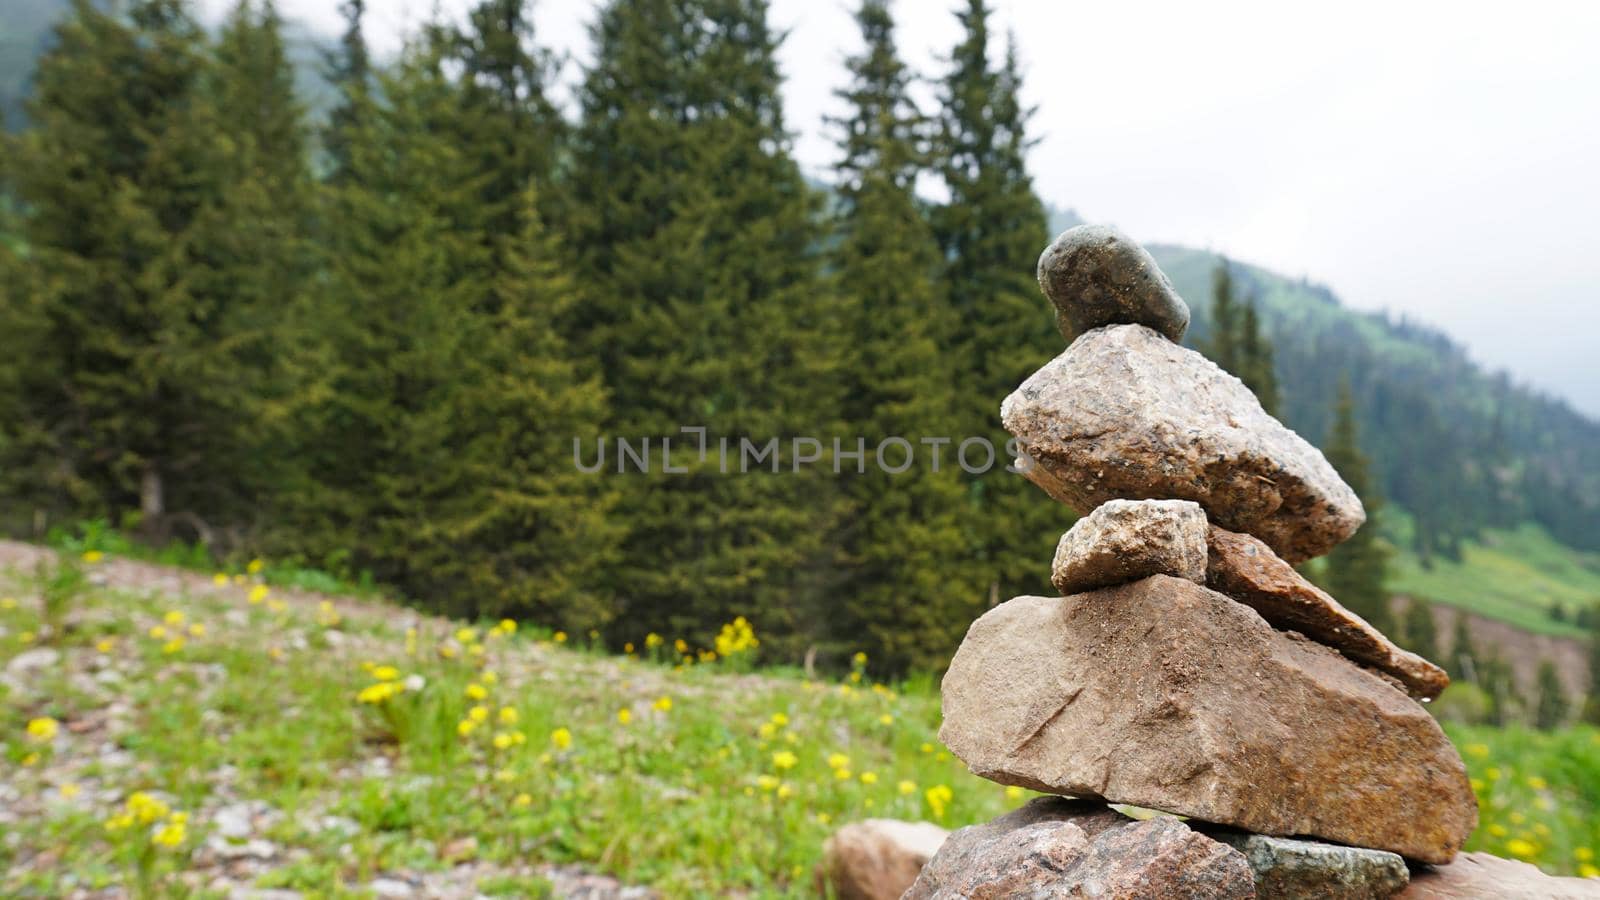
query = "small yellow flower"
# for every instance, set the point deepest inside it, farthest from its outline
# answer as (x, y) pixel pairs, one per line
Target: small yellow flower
(780, 720)
(170, 835)
(886, 719)
(855, 677)
(8, 603)
(860, 658)
(624, 716)
(785, 792)
(628, 648)
(1481, 751)
(172, 646)
(1477, 785)
(93, 556)
(1588, 870)
(502, 741)
(69, 789)
(173, 618)
(1497, 830)
(767, 782)
(43, 729)
(869, 778)
(823, 818)
(386, 673)
(1521, 849)
(938, 797)
(680, 645)
(926, 747)
(220, 579)
(119, 822)
(466, 635)
(907, 786)
(105, 645)
(157, 632)
(842, 774)
(508, 626)
(1582, 854)
(258, 594)
(508, 715)
(30, 759)
(478, 714)
(523, 800)
(766, 731)
(663, 704)
(1537, 783)
(489, 677)
(255, 567)
(465, 727)
(145, 808)
(1013, 792)
(652, 640)
(562, 738)
(476, 691)
(784, 759)
(198, 629)
(26, 637)
(838, 761)
(1493, 772)
(561, 637)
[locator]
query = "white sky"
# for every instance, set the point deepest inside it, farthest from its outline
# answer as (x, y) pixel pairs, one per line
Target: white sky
(1440, 160)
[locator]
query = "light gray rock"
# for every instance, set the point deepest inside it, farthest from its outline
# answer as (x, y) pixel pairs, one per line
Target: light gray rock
(1053, 847)
(1125, 413)
(1167, 695)
(1287, 869)
(1482, 876)
(1126, 540)
(1095, 275)
(876, 859)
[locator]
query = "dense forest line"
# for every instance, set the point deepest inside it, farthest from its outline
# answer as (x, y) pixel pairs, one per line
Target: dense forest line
(370, 342)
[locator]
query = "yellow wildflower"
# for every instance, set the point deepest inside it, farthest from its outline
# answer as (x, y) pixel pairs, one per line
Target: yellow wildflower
(624, 716)
(93, 556)
(860, 658)
(938, 797)
(144, 808)
(1013, 792)
(680, 645)
(173, 618)
(1521, 849)
(886, 719)
(502, 741)
(43, 729)
(157, 632)
(258, 594)
(1583, 854)
(766, 731)
(26, 637)
(465, 727)
(104, 645)
(508, 626)
(1588, 870)
(69, 789)
(838, 761)
(119, 822)
(1537, 783)
(172, 646)
(466, 635)
(562, 738)
(780, 720)
(767, 782)
(628, 648)
(478, 714)
(489, 677)
(508, 715)
(476, 691)
(907, 786)
(385, 673)
(1481, 751)
(663, 704)
(220, 579)
(170, 834)
(255, 567)
(785, 792)
(841, 773)
(869, 777)
(652, 640)
(560, 637)
(523, 800)
(198, 629)
(784, 759)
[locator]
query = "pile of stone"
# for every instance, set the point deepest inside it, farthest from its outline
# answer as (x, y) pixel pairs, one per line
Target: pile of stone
(1187, 668)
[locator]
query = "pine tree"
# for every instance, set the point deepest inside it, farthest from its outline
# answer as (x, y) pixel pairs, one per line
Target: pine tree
(991, 233)
(1258, 363)
(1422, 636)
(1553, 704)
(698, 244)
(1463, 661)
(1237, 344)
(349, 70)
(901, 543)
(1497, 681)
(1356, 571)
(1223, 346)
(120, 177)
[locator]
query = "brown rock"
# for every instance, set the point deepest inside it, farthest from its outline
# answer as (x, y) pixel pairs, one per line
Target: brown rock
(1167, 695)
(1054, 847)
(1095, 275)
(1247, 570)
(1125, 413)
(1480, 876)
(877, 859)
(1126, 540)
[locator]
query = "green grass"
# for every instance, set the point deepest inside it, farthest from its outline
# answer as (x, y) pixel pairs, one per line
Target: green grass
(1515, 576)
(716, 779)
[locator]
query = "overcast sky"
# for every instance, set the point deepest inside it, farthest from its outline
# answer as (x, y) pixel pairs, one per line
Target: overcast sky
(1440, 160)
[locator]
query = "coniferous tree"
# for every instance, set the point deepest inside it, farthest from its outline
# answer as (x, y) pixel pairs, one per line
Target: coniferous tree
(1463, 662)
(991, 232)
(1421, 635)
(1553, 705)
(1355, 572)
(350, 72)
(1237, 343)
(1497, 681)
(698, 250)
(120, 177)
(901, 545)
(1223, 346)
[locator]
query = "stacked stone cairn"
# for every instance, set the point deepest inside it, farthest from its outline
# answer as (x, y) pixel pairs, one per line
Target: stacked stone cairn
(1186, 668)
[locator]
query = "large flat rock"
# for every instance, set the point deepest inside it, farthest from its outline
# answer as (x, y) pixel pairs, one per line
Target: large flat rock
(1481, 876)
(1054, 847)
(1126, 540)
(1167, 695)
(1247, 570)
(1126, 413)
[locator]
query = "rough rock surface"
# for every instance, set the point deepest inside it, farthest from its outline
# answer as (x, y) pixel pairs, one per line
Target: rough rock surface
(1479, 876)
(1288, 869)
(876, 859)
(1125, 413)
(1247, 570)
(1126, 540)
(1167, 695)
(1095, 275)
(1054, 847)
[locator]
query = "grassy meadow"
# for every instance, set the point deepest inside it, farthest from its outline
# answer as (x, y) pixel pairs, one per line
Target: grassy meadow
(178, 733)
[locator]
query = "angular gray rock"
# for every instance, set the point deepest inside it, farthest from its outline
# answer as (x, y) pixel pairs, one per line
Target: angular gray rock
(1167, 695)
(1247, 570)
(876, 859)
(1054, 847)
(1287, 869)
(1482, 876)
(1125, 413)
(1126, 540)
(1095, 275)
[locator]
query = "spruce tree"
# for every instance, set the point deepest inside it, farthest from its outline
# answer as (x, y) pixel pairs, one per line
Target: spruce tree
(1237, 344)
(1553, 705)
(1355, 572)
(699, 246)
(1421, 635)
(901, 544)
(120, 178)
(349, 70)
(991, 232)
(1223, 346)
(1463, 662)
